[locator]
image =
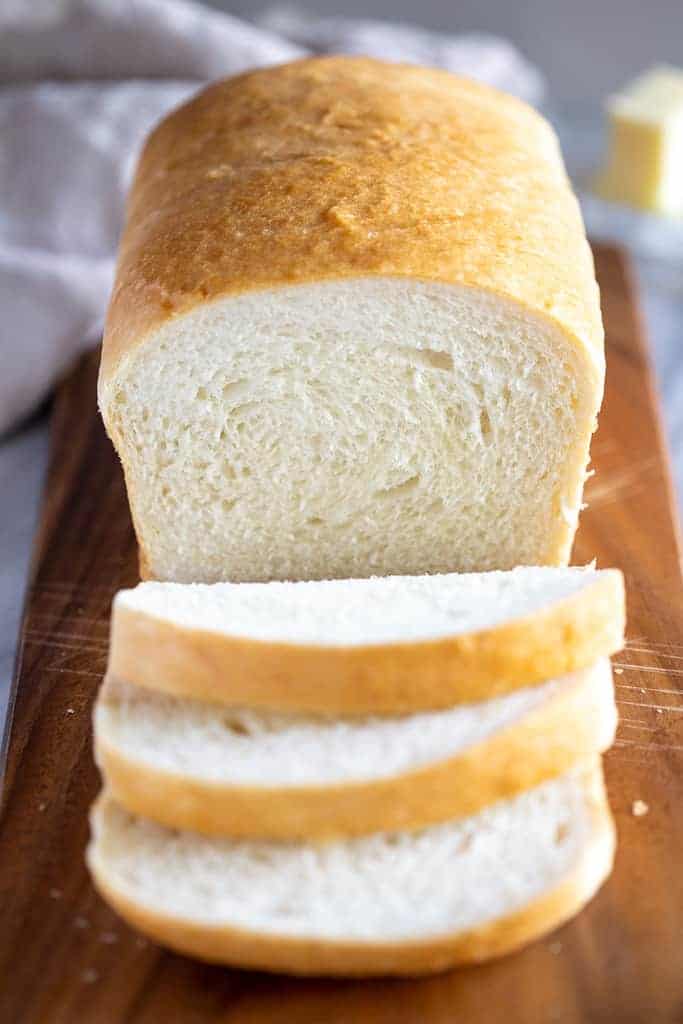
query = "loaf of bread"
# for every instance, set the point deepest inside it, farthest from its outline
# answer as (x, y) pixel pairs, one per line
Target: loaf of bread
(237, 772)
(386, 645)
(355, 330)
(391, 903)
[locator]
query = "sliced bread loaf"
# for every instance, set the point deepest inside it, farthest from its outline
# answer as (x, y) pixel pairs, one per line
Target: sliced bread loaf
(386, 645)
(392, 903)
(243, 773)
(355, 330)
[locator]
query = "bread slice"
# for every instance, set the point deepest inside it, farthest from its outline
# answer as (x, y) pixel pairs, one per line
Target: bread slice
(388, 645)
(355, 330)
(243, 773)
(392, 903)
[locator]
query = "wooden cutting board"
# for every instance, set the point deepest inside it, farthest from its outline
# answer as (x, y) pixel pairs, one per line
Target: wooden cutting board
(66, 959)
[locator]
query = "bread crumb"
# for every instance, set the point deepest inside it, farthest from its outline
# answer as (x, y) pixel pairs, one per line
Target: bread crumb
(555, 948)
(55, 894)
(618, 671)
(42, 806)
(70, 711)
(639, 808)
(89, 975)
(109, 938)
(643, 690)
(660, 711)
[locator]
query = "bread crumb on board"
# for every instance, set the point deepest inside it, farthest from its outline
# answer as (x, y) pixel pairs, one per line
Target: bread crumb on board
(639, 808)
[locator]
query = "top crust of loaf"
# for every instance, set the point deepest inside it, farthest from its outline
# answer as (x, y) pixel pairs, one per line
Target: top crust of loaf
(343, 167)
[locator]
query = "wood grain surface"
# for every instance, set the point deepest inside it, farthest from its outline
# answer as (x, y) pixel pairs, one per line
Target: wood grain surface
(66, 959)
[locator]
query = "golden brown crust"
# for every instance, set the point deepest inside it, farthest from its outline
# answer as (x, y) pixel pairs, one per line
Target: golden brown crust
(242, 948)
(349, 167)
(573, 724)
(385, 679)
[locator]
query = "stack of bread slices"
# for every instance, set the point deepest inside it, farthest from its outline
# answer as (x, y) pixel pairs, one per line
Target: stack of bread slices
(372, 776)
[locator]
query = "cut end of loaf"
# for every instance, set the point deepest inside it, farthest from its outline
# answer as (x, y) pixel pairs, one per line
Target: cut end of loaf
(351, 428)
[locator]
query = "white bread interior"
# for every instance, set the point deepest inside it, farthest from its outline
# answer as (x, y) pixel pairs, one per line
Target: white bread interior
(365, 612)
(351, 428)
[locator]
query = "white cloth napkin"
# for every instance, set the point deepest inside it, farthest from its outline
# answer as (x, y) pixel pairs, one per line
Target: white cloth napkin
(81, 83)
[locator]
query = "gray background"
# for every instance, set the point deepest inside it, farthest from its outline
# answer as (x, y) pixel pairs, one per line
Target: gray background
(585, 49)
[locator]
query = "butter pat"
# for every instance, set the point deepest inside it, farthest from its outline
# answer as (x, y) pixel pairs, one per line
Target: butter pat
(644, 165)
